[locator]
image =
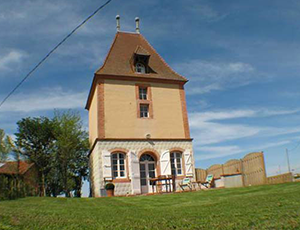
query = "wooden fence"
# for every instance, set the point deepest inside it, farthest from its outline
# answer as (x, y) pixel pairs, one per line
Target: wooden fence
(201, 174)
(282, 178)
(252, 167)
(254, 170)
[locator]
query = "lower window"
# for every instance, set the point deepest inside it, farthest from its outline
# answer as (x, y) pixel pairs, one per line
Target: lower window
(144, 110)
(118, 165)
(176, 163)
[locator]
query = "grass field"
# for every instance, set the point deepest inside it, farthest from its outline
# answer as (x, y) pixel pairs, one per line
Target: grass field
(260, 207)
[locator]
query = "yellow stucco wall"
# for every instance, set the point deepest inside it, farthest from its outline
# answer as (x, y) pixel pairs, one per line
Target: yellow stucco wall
(93, 121)
(120, 109)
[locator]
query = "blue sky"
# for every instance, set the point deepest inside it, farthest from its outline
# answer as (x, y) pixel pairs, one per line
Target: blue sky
(242, 59)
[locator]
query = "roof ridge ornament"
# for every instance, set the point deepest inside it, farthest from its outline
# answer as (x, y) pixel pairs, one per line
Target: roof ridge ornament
(118, 23)
(137, 25)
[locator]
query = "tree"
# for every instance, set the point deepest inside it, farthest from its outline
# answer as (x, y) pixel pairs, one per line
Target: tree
(58, 147)
(6, 145)
(35, 139)
(72, 146)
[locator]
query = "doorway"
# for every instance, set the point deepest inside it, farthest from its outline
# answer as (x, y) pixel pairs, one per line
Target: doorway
(147, 171)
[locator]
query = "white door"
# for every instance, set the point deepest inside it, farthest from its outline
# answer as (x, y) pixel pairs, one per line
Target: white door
(147, 171)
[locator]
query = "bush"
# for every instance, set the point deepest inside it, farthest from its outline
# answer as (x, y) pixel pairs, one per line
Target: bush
(109, 186)
(12, 188)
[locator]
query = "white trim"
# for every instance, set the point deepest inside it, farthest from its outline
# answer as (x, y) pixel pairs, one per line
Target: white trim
(118, 165)
(176, 153)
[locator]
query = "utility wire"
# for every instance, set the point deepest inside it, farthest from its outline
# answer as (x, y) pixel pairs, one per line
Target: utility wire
(290, 150)
(55, 48)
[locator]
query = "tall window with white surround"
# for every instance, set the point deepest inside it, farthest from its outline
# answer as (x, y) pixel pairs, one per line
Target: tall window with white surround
(118, 165)
(176, 163)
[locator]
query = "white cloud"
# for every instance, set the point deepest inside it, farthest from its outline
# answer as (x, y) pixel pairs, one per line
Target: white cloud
(203, 90)
(56, 19)
(205, 12)
(10, 59)
(210, 132)
(194, 104)
(45, 99)
(239, 113)
(211, 152)
(291, 94)
(207, 130)
(273, 144)
(208, 76)
(202, 70)
(219, 115)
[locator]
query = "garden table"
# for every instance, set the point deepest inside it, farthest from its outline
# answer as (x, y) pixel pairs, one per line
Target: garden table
(167, 179)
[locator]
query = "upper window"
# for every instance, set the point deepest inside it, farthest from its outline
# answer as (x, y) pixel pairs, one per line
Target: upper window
(143, 93)
(144, 101)
(176, 163)
(118, 165)
(144, 110)
(140, 68)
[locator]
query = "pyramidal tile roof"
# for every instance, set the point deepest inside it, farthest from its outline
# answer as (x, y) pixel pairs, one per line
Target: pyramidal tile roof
(119, 59)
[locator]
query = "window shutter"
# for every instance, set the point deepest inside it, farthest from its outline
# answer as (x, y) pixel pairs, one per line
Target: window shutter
(106, 163)
(134, 169)
(165, 165)
(188, 163)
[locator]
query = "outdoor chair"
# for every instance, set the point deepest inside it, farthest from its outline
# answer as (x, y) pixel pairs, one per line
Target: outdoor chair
(209, 182)
(186, 182)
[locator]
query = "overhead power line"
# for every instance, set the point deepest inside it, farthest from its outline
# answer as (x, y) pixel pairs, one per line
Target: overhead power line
(290, 150)
(52, 51)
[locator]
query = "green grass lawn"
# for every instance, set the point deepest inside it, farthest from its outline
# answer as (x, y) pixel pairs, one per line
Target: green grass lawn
(257, 207)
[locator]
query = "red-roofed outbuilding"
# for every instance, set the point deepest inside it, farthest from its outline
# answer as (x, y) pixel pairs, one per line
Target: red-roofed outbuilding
(26, 170)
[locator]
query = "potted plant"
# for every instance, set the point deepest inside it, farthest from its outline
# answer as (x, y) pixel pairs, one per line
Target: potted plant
(110, 188)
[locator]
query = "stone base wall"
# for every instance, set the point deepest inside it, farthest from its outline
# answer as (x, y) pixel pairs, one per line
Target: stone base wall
(122, 189)
(159, 147)
(96, 176)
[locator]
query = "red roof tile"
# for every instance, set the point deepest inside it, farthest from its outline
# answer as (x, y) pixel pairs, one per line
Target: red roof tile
(12, 167)
(141, 51)
(118, 60)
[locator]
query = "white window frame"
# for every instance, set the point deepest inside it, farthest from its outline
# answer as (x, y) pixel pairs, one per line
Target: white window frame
(118, 165)
(144, 114)
(176, 153)
(143, 93)
(140, 68)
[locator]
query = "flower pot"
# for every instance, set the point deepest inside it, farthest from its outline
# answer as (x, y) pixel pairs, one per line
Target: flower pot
(110, 192)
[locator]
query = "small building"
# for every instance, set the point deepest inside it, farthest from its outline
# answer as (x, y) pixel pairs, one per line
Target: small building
(138, 122)
(25, 170)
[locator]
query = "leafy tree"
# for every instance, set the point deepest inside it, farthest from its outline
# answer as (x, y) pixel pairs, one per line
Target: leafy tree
(58, 147)
(6, 145)
(72, 146)
(35, 139)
